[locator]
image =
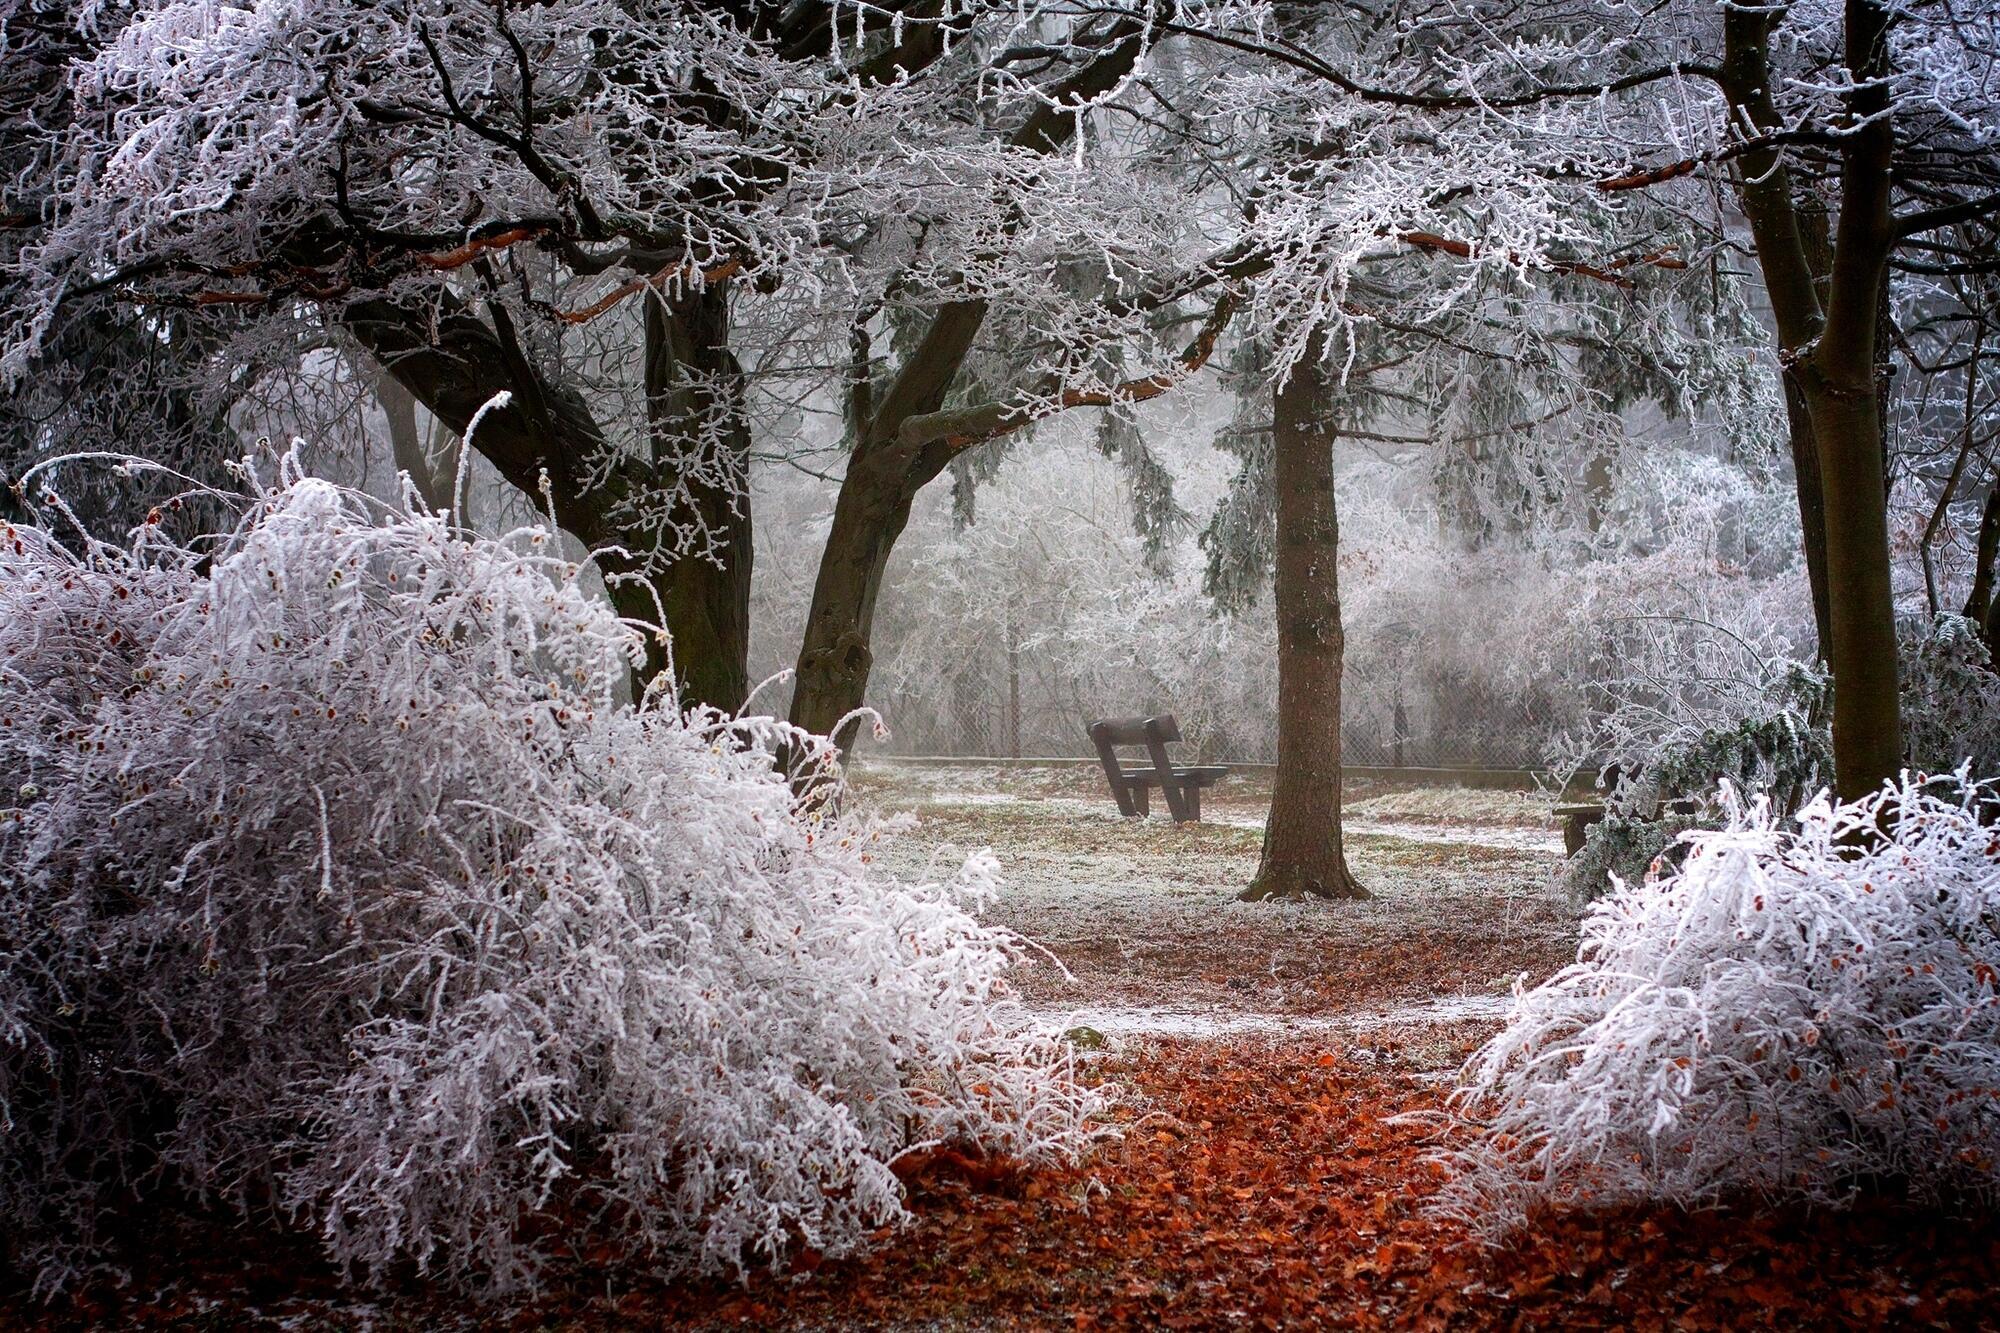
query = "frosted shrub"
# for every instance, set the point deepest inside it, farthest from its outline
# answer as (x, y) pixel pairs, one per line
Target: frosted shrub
(1787, 1015)
(336, 883)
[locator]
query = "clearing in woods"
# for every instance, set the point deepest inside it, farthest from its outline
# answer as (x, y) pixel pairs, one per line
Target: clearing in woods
(1263, 1180)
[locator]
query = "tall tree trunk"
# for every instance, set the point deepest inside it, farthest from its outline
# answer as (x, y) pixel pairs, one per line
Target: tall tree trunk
(694, 403)
(1843, 391)
(1815, 233)
(883, 477)
(886, 472)
(1829, 350)
(1980, 604)
(455, 363)
(1303, 854)
(1812, 510)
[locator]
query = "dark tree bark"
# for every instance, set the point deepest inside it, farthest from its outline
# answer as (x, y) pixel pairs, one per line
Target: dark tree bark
(1981, 605)
(1812, 510)
(1303, 854)
(1829, 351)
(883, 477)
(454, 363)
(1816, 242)
(889, 465)
(694, 396)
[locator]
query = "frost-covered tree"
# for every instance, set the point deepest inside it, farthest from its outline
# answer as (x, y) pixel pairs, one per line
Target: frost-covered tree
(1427, 269)
(340, 886)
(1889, 104)
(1034, 309)
(584, 206)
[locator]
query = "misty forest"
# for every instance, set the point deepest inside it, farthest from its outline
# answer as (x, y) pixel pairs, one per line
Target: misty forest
(986, 664)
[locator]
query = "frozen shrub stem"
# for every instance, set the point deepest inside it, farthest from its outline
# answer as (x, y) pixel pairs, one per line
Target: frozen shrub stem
(1802, 1011)
(337, 883)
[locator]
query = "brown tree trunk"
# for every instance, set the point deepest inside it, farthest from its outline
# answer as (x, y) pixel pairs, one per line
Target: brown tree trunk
(886, 472)
(1981, 605)
(1843, 391)
(694, 400)
(1828, 348)
(1816, 245)
(454, 363)
(873, 507)
(1812, 510)
(1303, 855)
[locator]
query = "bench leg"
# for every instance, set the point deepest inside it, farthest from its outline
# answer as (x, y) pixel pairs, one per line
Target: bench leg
(1141, 801)
(1122, 794)
(1191, 798)
(1576, 829)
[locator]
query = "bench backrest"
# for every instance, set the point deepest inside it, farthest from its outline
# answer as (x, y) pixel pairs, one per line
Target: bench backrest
(1135, 730)
(1152, 732)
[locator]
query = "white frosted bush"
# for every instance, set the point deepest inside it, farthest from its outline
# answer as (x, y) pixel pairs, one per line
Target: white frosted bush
(337, 883)
(1801, 1011)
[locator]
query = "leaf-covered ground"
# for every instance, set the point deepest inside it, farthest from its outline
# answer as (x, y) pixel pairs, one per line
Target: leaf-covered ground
(1261, 1185)
(1264, 1179)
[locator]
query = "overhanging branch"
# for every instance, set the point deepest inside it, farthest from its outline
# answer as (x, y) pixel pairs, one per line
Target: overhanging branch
(960, 429)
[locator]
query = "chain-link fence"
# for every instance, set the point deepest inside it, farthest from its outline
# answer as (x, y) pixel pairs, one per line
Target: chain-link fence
(1003, 707)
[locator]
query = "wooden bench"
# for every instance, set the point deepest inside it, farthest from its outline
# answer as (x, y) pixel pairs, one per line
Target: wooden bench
(1577, 819)
(1130, 786)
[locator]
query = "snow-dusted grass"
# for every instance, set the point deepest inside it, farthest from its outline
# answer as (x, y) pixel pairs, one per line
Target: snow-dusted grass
(1143, 919)
(1459, 815)
(1797, 1012)
(336, 883)
(1476, 806)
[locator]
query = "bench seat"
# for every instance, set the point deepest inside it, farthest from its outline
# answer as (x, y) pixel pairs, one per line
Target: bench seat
(1577, 819)
(1205, 775)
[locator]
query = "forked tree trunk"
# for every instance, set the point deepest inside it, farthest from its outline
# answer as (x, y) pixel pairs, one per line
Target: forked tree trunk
(870, 513)
(1303, 855)
(454, 363)
(886, 471)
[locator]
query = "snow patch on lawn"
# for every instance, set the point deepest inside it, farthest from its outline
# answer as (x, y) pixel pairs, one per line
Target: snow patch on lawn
(1513, 837)
(1215, 1022)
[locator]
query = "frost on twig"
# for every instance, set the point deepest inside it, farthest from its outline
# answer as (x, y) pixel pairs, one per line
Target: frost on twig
(1799, 1012)
(337, 883)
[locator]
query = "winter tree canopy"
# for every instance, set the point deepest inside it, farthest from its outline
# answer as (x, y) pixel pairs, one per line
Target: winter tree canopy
(560, 561)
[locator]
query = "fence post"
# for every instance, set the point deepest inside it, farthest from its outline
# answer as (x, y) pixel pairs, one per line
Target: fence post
(1013, 685)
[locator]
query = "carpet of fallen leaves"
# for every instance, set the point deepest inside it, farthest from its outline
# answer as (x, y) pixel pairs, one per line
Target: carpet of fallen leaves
(1259, 1186)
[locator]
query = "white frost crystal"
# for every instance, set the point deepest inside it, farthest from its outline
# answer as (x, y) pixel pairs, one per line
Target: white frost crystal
(342, 883)
(1801, 1011)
